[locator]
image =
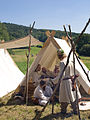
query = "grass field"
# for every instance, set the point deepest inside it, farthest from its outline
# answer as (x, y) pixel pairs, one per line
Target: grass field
(86, 61)
(20, 58)
(14, 111)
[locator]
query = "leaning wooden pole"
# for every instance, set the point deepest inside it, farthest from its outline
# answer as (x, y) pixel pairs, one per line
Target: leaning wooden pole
(73, 47)
(76, 88)
(82, 67)
(59, 81)
(82, 31)
(77, 43)
(28, 59)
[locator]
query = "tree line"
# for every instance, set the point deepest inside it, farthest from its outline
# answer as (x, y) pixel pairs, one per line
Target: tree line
(9, 31)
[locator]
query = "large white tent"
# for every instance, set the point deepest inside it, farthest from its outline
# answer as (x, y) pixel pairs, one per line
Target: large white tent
(11, 77)
(47, 57)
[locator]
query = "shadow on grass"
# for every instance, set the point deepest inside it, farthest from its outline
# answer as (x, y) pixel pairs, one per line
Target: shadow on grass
(13, 101)
(52, 116)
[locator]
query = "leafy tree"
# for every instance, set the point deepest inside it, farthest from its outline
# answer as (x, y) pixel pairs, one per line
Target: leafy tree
(18, 31)
(3, 32)
(85, 50)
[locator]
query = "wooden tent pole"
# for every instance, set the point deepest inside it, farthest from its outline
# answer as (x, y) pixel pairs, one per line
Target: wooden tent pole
(76, 86)
(73, 47)
(82, 67)
(82, 31)
(77, 42)
(28, 59)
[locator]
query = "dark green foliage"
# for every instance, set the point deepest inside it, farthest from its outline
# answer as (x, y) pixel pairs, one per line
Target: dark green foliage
(3, 32)
(82, 47)
(20, 31)
(16, 31)
(11, 51)
(85, 50)
(39, 46)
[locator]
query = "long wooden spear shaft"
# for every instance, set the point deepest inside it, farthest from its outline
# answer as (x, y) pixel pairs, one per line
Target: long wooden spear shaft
(76, 88)
(59, 81)
(83, 31)
(28, 59)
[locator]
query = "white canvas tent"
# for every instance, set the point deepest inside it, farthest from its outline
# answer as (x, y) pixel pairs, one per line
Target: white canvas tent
(47, 57)
(10, 75)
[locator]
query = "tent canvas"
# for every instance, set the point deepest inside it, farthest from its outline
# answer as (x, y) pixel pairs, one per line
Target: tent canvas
(47, 57)
(10, 75)
(22, 42)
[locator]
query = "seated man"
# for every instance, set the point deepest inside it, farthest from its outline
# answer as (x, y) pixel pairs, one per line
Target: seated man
(56, 70)
(20, 94)
(43, 93)
(45, 73)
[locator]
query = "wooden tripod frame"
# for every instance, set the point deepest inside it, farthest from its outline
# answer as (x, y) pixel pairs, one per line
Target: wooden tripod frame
(60, 77)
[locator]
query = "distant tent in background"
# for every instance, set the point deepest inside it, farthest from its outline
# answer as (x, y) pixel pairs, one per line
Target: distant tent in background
(47, 57)
(22, 42)
(10, 75)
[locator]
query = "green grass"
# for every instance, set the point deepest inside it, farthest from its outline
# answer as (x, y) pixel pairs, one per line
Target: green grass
(22, 112)
(14, 111)
(86, 61)
(20, 57)
(21, 60)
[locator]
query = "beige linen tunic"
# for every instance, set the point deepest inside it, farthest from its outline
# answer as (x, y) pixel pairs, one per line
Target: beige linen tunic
(65, 91)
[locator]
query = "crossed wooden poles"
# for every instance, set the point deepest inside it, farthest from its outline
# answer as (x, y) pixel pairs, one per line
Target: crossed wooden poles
(60, 77)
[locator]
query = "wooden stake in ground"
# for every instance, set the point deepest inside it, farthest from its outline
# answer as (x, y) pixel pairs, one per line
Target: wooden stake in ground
(28, 59)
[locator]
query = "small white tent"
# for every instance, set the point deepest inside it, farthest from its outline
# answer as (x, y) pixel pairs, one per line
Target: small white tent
(10, 75)
(47, 57)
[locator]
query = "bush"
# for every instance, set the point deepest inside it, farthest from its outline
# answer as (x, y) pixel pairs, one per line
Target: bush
(39, 46)
(85, 50)
(11, 52)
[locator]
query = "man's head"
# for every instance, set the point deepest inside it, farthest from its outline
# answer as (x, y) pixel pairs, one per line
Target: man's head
(60, 54)
(44, 70)
(42, 84)
(38, 68)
